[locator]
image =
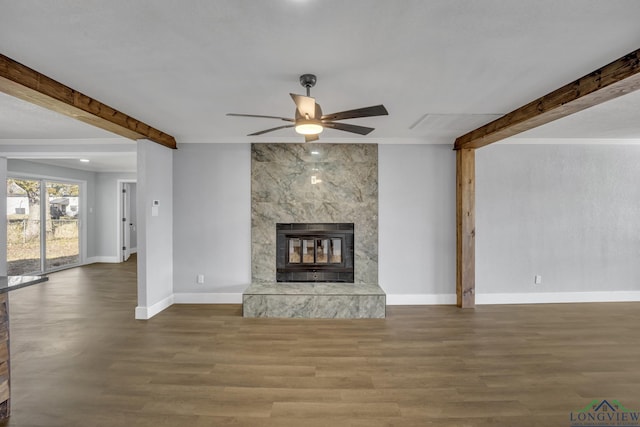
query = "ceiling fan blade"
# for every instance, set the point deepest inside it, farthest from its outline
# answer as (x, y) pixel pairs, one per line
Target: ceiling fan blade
(270, 130)
(376, 110)
(311, 138)
(259, 116)
(305, 105)
(362, 130)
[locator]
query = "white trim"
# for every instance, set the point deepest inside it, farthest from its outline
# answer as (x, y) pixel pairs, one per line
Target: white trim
(145, 313)
(141, 313)
(133, 250)
(108, 259)
(207, 298)
(516, 298)
(83, 219)
(406, 299)
(421, 299)
(557, 297)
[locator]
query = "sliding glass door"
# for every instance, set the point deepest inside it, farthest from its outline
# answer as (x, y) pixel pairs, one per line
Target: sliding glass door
(23, 226)
(43, 232)
(63, 233)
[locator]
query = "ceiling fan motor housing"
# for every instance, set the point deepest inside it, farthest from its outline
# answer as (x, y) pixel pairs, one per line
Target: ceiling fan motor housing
(308, 80)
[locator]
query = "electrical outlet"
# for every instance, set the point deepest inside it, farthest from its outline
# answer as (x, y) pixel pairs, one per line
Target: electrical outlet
(537, 280)
(200, 278)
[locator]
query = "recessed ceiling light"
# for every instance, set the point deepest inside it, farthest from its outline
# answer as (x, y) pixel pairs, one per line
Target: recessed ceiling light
(315, 152)
(85, 160)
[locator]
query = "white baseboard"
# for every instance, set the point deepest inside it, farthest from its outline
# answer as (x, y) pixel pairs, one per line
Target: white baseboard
(145, 313)
(108, 259)
(133, 250)
(421, 299)
(207, 298)
(407, 299)
(557, 297)
(516, 298)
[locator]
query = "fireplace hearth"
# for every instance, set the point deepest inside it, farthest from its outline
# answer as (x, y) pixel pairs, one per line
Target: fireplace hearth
(315, 252)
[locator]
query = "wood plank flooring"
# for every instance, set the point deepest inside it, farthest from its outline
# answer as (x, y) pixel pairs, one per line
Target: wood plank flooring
(80, 359)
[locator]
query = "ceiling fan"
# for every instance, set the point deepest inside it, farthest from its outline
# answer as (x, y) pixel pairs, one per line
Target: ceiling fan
(309, 120)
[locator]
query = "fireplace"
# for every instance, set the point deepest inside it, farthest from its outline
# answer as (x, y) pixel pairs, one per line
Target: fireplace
(314, 252)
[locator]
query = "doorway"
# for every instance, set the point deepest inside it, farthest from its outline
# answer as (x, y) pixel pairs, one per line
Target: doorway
(127, 213)
(43, 225)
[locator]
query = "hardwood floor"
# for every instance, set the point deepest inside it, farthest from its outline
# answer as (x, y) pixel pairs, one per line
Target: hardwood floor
(80, 359)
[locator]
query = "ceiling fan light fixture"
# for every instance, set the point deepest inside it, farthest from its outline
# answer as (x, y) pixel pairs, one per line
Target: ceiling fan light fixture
(309, 120)
(309, 127)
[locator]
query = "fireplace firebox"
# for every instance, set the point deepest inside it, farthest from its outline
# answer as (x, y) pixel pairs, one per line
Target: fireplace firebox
(316, 252)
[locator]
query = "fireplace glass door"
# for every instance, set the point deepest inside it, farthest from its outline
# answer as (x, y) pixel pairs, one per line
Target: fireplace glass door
(336, 251)
(294, 251)
(308, 251)
(315, 251)
(322, 251)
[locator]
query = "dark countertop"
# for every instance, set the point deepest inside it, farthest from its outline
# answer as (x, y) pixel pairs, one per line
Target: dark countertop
(10, 283)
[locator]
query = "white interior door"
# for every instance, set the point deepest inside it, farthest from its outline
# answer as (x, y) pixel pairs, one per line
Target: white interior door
(126, 221)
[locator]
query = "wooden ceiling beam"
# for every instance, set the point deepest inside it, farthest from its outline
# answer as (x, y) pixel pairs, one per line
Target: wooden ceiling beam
(27, 84)
(618, 78)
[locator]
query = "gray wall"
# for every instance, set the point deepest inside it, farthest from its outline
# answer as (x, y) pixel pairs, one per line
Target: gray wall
(212, 210)
(566, 212)
(570, 213)
(212, 228)
(155, 233)
(417, 220)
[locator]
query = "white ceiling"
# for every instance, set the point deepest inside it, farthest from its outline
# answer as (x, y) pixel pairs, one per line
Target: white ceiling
(441, 67)
(23, 120)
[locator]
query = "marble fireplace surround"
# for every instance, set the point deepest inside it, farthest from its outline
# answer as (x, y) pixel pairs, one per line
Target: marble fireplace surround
(314, 183)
